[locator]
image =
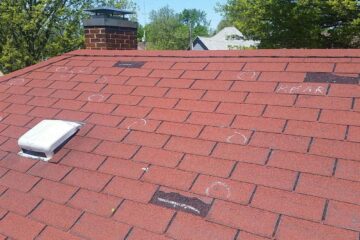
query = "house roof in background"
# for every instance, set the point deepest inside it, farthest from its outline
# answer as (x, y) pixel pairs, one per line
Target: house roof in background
(262, 144)
(223, 39)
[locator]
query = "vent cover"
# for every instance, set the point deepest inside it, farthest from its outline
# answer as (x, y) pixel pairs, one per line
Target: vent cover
(330, 78)
(43, 140)
(123, 64)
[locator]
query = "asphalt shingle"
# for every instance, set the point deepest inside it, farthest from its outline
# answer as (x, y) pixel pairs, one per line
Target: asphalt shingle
(274, 157)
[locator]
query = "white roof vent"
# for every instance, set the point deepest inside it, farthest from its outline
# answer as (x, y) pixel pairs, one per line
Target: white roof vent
(48, 136)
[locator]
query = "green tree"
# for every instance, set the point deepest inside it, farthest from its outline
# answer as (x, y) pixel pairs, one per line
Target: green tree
(140, 33)
(165, 30)
(33, 30)
(170, 30)
(196, 21)
(122, 4)
(222, 24)
(297, 23)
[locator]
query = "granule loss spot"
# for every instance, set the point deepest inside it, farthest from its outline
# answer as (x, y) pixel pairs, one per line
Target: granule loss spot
(123, 64)
(330, 78)
(182, 203)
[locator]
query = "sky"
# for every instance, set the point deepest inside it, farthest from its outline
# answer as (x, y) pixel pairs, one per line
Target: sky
(178, 5)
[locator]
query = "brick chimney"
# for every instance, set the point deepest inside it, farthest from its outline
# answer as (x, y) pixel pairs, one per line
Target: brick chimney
(108, 28)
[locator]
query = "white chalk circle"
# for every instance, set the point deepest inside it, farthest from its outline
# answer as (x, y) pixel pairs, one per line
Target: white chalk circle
(16, 81)
(96, 98)
(103, 79)
(141, 121)
(246, 75)
(215, 186)
(229, 139)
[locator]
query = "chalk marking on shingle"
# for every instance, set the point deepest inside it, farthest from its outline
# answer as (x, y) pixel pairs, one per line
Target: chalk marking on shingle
(85, 69)
(217, 184)
(251, 75)
(229, 139)
(181, 205)
(136, 122)
(281, 88)
(63, 70)
(319, 89)
(96, 98)
(16, 81)
(103, 79)
(298, 89)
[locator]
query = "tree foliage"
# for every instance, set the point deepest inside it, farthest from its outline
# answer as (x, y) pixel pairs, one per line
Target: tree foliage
(223, 24)
(140, 33)
(297, 23)
(197, 20)
(170, 30)
(164, 30)
(33, 30)
(122, 4)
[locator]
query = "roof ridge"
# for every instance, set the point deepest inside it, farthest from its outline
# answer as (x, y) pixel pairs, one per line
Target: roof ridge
(286, 53)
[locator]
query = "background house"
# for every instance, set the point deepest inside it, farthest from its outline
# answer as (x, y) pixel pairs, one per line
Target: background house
(229, 38)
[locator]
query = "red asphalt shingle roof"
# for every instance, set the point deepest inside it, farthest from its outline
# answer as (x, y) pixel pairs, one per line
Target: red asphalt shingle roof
(274, 156)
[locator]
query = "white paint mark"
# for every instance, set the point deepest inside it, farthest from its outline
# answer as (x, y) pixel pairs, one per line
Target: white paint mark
(96, 98)
(145, 169)
(229, 139)
(246, 75)
(16, 81)
(217, 184)
(182, 205)
(143, 121)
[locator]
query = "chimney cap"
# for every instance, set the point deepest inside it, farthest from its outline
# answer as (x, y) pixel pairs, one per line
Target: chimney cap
(109, 11)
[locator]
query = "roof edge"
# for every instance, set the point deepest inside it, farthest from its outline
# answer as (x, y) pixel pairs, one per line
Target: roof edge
(25, 70)
(314, 53)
